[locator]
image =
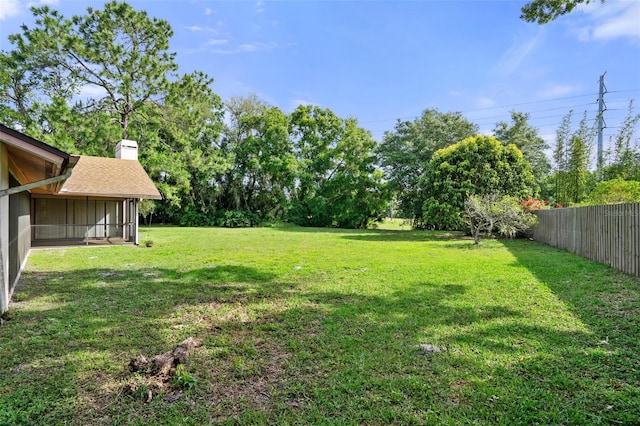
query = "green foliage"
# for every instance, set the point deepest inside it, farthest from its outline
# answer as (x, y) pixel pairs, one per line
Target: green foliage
(544, 11)
(405, 153)
(615, 191)
(182, 378)
(146, 208)
(479, 165)
(237, 219)
(337, 182)
(259, 150)
(62, 57)
(526, 138)
(572, 154)
(487, 213)
(624, 155)
(193, 217)
(121, 57)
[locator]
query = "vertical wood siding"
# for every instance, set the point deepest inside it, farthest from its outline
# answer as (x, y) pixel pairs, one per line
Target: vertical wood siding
(607, 234)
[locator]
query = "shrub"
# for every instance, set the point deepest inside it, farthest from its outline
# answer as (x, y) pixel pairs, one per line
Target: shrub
(237, 219)
(192, 217)
(479, 165)
(615, 191)
(489, 212)
(532, 204)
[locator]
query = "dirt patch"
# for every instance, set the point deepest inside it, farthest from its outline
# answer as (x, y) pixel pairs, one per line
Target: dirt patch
(255, 382)
(623, 302)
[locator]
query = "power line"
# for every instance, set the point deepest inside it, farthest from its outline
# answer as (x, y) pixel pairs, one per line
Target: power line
(530, 102)
(518, 104)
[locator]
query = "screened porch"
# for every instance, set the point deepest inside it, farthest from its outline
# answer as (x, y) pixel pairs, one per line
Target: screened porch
(82, 220)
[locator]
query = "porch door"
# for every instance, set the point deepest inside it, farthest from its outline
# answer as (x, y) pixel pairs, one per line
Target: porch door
(132, 220)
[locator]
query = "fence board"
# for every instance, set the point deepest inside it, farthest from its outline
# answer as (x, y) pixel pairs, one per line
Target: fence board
(607, 234)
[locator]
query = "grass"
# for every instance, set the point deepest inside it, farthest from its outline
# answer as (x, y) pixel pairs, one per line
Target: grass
(318, 326)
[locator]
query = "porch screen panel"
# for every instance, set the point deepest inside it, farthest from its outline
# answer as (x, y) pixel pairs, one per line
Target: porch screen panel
(50, 218)
(91, 217)
(113, 218)
(79, 218)
(101, 220)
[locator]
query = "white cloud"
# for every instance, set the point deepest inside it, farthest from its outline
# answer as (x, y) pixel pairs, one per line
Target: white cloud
(608, 21)
(259, 6)
(39, 3)
(223, 51)
(484, 102)
(255, 47)
(247, 48)
(9, 8)
(216, 42)
(198, 29)
(208, 11)
(557, 90)
(516, 54)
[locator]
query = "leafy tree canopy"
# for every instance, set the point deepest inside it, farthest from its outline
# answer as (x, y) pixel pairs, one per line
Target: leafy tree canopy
(406, 151)
(624, 154)
(520, 133)
(615, 191)
(337, 182)
(544, 11)
(85, 82)
(480, 165)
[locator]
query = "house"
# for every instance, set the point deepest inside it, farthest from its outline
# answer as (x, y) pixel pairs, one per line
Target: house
(48, 196)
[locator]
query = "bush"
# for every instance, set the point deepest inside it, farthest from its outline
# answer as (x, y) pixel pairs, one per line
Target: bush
(192, 217)
(504, 214)
(615, 191)
(312, 211)
(237, 219)
(479, 165)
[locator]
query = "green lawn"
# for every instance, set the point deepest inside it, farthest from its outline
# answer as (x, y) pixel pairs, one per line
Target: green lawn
(317, 326)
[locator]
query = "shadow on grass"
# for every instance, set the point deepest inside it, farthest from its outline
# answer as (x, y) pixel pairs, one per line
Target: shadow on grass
(274, 348)
(65, 328)
(605, 299)
(390, 235)
(71, 333)
(607, 302)
(409, 236)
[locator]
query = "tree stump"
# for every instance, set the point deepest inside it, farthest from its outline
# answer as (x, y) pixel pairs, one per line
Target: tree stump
(162, 365)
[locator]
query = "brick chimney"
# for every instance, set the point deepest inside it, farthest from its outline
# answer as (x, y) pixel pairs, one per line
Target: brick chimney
(127, 150)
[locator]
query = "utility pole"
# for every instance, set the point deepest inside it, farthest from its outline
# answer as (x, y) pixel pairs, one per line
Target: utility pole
(601, 125)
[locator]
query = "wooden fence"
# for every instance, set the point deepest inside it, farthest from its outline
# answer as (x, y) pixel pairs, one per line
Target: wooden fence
(608, 234)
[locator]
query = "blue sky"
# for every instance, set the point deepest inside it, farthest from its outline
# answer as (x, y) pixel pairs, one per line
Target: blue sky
(379, 61)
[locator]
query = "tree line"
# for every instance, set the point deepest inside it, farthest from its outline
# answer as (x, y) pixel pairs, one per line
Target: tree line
(85, 82)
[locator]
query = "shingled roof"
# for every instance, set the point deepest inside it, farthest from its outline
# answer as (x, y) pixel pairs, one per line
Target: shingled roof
(109, 177)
